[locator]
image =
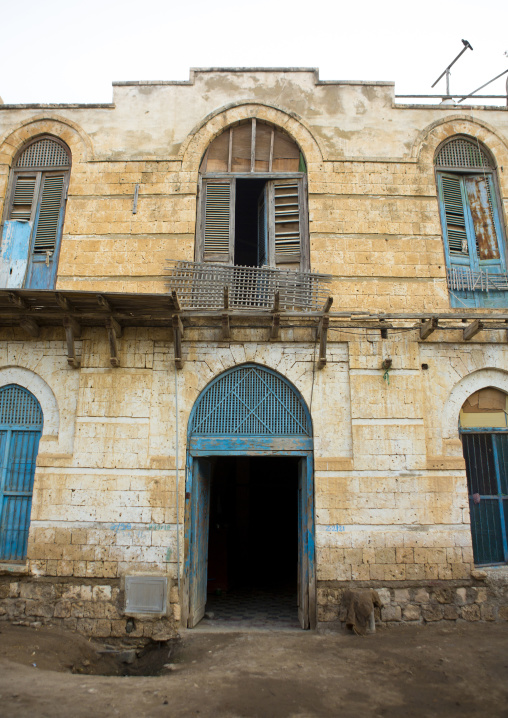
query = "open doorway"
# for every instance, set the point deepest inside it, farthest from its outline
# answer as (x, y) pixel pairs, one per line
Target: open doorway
(253, 540)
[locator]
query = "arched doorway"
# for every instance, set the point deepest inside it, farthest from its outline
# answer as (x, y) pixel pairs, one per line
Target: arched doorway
(20, 430)
(249, 448)
(484, 434)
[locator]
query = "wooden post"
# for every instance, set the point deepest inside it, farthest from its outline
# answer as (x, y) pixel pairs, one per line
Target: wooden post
(428, 327)
(472, 329)
(177, 340)
(323, 325)
(226, 327)
(114, 333)
(275, 330)
(72, 331)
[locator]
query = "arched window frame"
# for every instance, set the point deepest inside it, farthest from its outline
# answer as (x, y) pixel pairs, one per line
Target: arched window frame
(472, 222)
(277, 181)
(32, 232)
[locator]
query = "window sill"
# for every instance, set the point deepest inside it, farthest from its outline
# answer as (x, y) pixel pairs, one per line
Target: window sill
(13, 569)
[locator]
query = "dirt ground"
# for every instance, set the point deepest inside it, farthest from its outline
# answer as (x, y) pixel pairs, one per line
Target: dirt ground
(450, 671)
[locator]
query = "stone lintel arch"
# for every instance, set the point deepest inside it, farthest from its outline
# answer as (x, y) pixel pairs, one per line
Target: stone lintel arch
(42, 391)
(480, 379)
(66, 130)
(429, 139)
(193, 148)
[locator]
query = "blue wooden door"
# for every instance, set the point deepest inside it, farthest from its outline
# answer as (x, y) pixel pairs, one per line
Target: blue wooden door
(20, 431)
(200, 514)
(486, 456)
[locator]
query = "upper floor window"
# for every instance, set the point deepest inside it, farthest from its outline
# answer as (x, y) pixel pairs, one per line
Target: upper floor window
(472, 224)
(252, 207)
(34, 215)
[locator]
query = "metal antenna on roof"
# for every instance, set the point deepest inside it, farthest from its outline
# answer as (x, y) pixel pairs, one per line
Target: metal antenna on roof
(447, 71)
(488, 83)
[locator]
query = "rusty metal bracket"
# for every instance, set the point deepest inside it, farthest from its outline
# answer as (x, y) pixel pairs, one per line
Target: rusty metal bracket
(72, 332)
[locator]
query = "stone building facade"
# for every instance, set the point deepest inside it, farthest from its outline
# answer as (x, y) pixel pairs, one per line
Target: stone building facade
(380, 379)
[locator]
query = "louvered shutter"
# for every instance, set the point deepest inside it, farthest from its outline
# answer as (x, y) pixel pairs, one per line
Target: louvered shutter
(286, 223)
(453, 198)
(217, 221)
(480, 199)
(23, 196)
(48, 217)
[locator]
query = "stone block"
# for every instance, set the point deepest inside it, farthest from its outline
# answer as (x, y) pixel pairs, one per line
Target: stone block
(503, 613)
(432, 612)
(421, 596)
(101, 593)
(461, 596)
(480, 594)
(384, 595)
(471, 612)
(327, 613)
(63, 609)
(401, 595)
(443, 595)
(488, 612)
(391, 613)
(411, 612)
(451, 612)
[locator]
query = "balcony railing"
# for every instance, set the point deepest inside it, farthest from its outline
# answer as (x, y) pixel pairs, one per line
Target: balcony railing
(467, 280)
(201, 286)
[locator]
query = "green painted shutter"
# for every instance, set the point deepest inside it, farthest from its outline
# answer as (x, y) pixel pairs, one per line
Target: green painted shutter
(217, 221)
(49, 214)
(453, 202)
(286, 221)
(24, 189)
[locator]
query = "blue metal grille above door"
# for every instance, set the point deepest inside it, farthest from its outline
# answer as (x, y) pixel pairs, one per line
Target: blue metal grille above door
(250, 400)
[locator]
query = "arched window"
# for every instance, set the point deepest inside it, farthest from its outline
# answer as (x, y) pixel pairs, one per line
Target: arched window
(20, 430)
(484, 433)
(473, 231)
(253, 199)
(34, 215)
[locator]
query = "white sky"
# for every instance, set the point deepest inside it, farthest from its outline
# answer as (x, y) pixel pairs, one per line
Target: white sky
(69, 51)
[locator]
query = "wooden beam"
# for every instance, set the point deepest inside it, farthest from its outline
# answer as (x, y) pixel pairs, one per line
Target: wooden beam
(275, 329)
(322, 342)
(177, 340)
(114, 333)
(103, 303)
(72, 332)
(64, 303)
(253, 146)
(472, 329)
(176, 301)
(18, 301)
(428, 327)
(226, 327)
(30, 326)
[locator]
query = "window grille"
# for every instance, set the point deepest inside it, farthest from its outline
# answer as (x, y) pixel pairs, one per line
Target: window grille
(250, 400)
(19, 407)
(44, 153)
(462, 153)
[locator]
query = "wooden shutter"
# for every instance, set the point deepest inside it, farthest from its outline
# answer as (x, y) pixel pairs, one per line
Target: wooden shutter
(23, 197)
(482, 211)
(455, 217)
(286, 222)
(218, 220)
(263, 255)
(48, 218)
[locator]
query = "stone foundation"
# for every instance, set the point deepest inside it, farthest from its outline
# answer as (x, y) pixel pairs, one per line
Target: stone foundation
(91, 607)
(481, 599)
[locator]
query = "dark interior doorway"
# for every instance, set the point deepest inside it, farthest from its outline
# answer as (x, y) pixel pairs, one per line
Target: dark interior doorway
(247, 203)
(253, 539)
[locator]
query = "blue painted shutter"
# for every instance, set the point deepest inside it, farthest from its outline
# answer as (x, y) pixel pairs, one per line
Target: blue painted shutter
(200, 516)
(20, 431)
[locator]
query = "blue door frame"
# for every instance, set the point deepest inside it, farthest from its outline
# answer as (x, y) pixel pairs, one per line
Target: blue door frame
(196, 518)
(249, 410)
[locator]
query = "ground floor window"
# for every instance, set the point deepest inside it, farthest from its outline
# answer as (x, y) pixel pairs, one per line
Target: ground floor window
(20, 431)
(484, 434)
